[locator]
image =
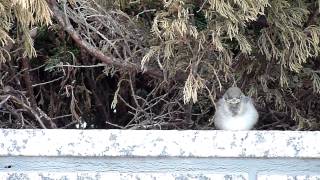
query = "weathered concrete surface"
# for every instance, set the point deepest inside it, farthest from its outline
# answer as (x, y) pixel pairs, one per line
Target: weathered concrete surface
(271, 166)
(259, 144)
(126, 154)
(287, 177)
(116, 176)
(174, 165)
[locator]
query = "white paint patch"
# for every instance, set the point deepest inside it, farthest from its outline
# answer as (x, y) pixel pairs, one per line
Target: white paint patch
(57, 142)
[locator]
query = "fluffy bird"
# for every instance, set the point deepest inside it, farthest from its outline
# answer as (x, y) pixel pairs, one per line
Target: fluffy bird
(235, 111)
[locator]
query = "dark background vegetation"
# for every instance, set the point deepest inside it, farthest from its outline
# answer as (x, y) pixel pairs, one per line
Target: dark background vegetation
(157, 64)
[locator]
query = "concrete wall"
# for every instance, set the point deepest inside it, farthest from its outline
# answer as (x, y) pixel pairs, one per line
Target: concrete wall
(117, 154)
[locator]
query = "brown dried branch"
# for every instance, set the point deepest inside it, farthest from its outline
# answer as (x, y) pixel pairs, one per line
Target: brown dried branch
(30, 109)
(65, 23)
(34, 107)
(28, 83)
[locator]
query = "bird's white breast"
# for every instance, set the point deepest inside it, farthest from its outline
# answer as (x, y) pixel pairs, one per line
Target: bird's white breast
(244, 121)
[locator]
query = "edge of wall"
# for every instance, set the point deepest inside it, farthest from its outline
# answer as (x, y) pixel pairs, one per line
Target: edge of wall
(116, 175)
(155, 143)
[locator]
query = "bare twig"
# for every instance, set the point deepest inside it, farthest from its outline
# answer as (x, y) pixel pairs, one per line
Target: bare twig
(4, 101)
(48, 82)
(31, 110)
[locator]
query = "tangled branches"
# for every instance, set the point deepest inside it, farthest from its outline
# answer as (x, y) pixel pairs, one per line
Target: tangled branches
(146, 65)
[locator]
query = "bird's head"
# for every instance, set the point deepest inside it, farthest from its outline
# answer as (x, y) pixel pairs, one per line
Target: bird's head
(233, 98)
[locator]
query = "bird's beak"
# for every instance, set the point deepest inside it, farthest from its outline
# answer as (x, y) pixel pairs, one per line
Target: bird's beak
(234, 101)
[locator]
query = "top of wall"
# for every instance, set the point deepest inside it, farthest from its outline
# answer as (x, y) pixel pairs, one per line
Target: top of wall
(258, 144)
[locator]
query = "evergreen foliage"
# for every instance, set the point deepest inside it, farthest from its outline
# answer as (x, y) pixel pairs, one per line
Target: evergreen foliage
(166, 62)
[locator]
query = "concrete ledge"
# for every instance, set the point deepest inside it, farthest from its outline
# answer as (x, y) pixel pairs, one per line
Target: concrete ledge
(116, 176)
(286, 177)
(125, 154)
(258, 144)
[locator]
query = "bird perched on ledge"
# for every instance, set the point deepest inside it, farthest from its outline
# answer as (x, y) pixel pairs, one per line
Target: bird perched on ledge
(235, 111)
